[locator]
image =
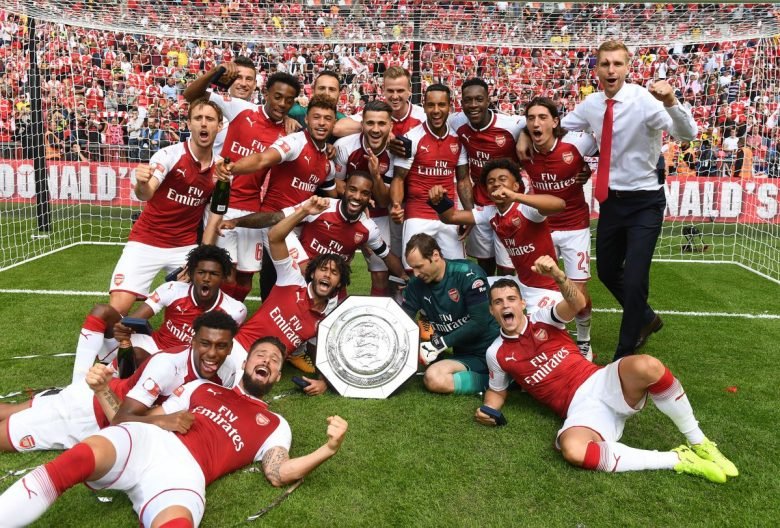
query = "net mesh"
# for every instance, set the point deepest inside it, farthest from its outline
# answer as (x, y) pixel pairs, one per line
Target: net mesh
(111, 77)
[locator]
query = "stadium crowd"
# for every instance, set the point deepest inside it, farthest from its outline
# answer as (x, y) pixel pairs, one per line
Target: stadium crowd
(118, 96)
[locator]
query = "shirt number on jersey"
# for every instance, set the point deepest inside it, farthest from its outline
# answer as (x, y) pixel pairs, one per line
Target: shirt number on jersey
(583, 264)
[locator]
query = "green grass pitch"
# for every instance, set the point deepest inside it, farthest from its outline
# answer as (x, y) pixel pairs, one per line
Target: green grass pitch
(418, 459)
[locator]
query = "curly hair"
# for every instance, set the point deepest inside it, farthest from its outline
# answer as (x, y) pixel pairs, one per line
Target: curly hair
(213, 253)
(320, 260)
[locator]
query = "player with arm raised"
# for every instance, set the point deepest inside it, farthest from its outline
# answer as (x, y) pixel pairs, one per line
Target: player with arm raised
(299, 168)
(537, 353)
(437, 159)
(251, 129)
(485, 135)
(181, 303)
(297, 303)
(176, 185)
(453, 295)
(165, 473)
(60, 419)
(557, 161)
(367, 151)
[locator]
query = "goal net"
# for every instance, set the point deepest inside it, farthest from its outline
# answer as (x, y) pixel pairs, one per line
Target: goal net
(90, 89)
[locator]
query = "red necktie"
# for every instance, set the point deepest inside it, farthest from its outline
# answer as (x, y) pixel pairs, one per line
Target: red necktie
(605, 154)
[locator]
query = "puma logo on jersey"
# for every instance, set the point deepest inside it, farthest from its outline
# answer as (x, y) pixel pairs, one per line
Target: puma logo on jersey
(212, 391)
(427, 299)
(298, 297)
(423, 147)
(469, 274)
(327, 224)
(182, 172)
(353, 165)
(466, 137)
(308, 160)
(249, 120)
(511, 358)
(178, 307)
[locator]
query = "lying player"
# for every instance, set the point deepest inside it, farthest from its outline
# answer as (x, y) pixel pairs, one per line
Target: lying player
(58, 420)
(182, 303)
(595, 402)
(165, 473)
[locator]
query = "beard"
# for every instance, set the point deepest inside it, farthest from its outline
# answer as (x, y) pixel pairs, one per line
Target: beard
(255, 388)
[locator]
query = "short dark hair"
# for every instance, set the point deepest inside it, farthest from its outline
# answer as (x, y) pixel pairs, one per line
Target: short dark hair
(216, 319)
(378, 106)
(320, 260)
(504, 283)
(499, 163)
(438, 87)
(474, 81)
(424, 243)
(360, 174)
(209, 252)
(197, 103)
(244, 61)
(275, 341)
(284, 78)
(322, 101)
(328, 73)
(551, 107)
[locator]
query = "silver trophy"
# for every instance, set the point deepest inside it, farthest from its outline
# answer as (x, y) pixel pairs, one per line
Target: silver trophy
(367, 347)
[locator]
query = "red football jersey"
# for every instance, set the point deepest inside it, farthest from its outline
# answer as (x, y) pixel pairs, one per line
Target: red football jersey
(542, 359)
(181, 310)
(331, 232)
(287, 313)
(415, 115)
(526, 237)
(433, 162)
(555, 173)
(157, 378)
(250, 131)
(351, 154)
(172, 216)
(496, 140)
(231, 429)
(304, 168)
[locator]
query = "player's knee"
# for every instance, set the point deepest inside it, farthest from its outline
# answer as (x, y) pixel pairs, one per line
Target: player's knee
(435, 381)
(105, 312)
(650, 367)
(573, 452)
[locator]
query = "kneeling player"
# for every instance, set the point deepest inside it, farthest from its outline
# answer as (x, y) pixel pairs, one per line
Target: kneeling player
(594, 401)
(165, 473)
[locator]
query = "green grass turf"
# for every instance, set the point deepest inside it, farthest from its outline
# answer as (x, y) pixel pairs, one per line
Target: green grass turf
(418, 459)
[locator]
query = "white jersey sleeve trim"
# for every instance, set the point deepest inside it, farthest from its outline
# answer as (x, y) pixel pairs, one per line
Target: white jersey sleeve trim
(286, 275)
(181, 401)
(157, 379)
(531, 214)
(499, 380)
(290, 147)
(583, 142)
(281, 437)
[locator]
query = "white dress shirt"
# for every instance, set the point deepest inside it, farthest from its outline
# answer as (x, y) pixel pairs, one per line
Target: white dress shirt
(639, 120)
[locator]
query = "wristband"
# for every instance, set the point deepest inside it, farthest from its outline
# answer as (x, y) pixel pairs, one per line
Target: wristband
(444, 205)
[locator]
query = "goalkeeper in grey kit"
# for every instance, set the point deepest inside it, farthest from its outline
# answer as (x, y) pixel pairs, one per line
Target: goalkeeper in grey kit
(453, 295)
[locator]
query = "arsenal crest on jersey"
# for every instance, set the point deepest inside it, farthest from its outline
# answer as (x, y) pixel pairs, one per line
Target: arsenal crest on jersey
(262, 420)
(358, 238)
(27, 442)
(119, 278)
(500, 141)
(454, 148)
(568, 157)
(383, 168)
(454, 294)
(516, 221)
(540, 334)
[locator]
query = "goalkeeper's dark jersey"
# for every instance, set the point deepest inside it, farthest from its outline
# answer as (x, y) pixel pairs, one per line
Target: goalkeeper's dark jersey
(457, 307)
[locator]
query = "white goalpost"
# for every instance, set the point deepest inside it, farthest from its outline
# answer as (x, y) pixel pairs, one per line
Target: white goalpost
(84, 96)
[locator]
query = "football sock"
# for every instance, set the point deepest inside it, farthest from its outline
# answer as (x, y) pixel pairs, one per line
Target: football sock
(467, 382)
(89, 346)
(582, 319)
(616, 458)
(70, 468)
(180, 522)
(669, 396)
(240, 292)
(380, 292)
(228, 288)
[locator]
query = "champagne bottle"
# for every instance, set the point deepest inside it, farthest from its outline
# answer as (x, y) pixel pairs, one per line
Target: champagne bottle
(125, 359)
(221, 195)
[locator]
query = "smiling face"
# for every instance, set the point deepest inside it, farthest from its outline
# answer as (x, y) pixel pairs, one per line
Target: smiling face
(320, 122)
(376, 129)
(437, 109)
(279, 99)
(210, 348)
(507, 308)
(475, 105)
(206, 280)
(245, 83)
(326, 85)
(397, 93)
(357, 195)
(262, 368)
(612, 70)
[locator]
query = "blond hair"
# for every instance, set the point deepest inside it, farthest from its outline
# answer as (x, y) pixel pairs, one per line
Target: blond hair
(613, 45)
(396, 72)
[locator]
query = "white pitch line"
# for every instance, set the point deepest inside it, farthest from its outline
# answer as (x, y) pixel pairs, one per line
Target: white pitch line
(601, 310)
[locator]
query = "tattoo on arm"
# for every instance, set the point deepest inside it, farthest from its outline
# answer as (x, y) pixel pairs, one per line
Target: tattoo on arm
(465, 192)
(272, 463)
(111, 400)
(568, 290)
(260, 220)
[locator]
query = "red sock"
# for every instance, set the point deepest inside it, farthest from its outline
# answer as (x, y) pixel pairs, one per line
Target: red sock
(72, 467)
(592, 456)
(94, 324)
(240, 292)
(179, 522)
(229, 288)
(663, 384)
(380, 292)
